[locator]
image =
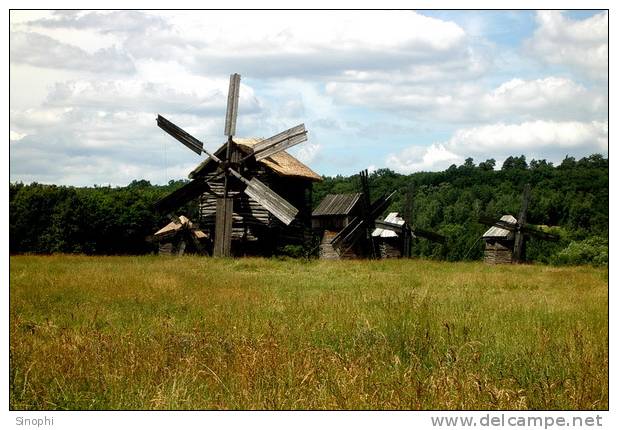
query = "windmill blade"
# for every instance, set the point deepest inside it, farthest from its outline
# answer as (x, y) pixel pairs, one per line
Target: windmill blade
(430, 235)
(397, 228)
(539, 234)
(181, 196)
(180, 135)
(280, 142)
(271, 201)
(349, 235)
(379, 206)
(355, 229)
(232, 105)
(491, 221)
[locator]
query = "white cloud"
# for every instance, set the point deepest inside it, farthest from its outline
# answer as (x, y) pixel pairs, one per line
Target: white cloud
(421, 158)
(535, 139)
(13, 135)
(579, 44)
(43, 51)
(85, 87)
(308, 152)
(555, 98)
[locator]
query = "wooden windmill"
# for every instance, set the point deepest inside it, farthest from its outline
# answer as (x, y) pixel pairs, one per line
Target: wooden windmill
(179, 236)
(396, 234)
(232, 166)
(356, 235)
(505, 240)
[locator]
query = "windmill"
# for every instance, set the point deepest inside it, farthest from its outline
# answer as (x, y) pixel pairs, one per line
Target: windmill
(232, 167)
(357, 233)
(178, 236)
(505, 240)
(403, 229)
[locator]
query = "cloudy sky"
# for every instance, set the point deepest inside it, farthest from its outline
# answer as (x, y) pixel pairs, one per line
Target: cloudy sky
(406, 90)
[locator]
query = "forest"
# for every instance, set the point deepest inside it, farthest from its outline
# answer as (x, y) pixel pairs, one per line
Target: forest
(570, 199)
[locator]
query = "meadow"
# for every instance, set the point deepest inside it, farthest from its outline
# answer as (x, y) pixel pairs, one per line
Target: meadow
(201, 333)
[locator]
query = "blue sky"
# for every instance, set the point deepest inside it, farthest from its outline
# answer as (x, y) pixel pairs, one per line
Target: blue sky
(404, 90)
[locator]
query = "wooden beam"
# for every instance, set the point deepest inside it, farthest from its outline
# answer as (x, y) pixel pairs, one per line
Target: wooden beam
(223, 227)
(232, 105)
(518, 252)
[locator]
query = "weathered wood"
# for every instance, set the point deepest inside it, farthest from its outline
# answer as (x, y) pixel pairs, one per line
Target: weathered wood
(232, 105)
(389, 226)
(223, 227)
(389, 248)
(430, 235)
(498, 251)
(519, 235)
(180, 135)
(181, 196)
(273, 202)
(327, 252)
(280, 142)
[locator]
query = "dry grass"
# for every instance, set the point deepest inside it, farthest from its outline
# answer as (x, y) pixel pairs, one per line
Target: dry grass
(200, 333)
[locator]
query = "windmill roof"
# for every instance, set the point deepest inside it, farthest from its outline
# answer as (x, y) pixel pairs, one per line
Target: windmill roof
(174, 226)
(281, 163)
(500, 233)
(336, 204)
(393, 218)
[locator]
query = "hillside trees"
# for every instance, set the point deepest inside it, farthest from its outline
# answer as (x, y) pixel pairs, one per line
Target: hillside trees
(573, 195)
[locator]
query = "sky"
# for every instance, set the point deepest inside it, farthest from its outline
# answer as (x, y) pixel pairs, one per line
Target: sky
(404, 90)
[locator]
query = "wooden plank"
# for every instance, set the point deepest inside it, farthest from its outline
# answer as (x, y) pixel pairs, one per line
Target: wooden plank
(223, 227)
(273, 202)
(397, 228)
(281, 146)
(279, 142)
(232, 105)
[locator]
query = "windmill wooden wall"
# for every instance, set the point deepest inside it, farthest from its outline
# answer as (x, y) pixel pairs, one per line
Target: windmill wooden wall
(254, 229)
(498, 251)
(331, 215)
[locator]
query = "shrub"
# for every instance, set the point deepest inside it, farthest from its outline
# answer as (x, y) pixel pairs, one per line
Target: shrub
(594, 250)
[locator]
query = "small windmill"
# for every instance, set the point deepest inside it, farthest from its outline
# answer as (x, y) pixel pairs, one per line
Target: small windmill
(404, 227)
(178, 236)
(231, 166)
(358, 232)
(507, 235)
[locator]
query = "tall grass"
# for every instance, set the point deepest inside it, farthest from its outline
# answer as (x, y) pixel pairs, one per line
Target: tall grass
(202, 333)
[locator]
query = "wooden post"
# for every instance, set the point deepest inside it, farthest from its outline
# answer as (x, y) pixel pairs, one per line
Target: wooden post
(518, 255)
(223, 227)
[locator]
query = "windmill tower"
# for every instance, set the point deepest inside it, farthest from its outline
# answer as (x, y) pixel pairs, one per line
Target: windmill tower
(236, 174)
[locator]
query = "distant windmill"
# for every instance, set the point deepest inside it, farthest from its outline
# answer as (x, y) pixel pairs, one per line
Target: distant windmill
(505, 240)
(230, 165)
(402, 229)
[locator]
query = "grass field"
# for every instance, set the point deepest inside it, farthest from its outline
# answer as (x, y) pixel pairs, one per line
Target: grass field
(201, 333)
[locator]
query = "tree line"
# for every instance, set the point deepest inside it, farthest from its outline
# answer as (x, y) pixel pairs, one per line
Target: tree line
(571, 198)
